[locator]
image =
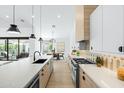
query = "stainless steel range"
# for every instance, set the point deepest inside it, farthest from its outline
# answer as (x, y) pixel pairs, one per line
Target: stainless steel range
(75, 69)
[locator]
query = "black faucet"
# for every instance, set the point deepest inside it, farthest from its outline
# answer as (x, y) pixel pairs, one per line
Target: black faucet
(35, 53)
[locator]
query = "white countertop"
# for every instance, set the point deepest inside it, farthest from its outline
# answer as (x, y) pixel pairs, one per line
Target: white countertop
(18, 73)
(75, 56)
(103, 77)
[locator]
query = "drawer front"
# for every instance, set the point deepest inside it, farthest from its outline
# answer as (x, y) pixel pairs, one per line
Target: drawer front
(85, 81)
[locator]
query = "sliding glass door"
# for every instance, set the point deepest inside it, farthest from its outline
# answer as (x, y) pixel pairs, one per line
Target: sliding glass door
(13, 48)
(23, 48)
(3, 49)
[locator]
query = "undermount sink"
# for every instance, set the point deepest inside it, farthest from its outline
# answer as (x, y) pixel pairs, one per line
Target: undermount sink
(39, 61)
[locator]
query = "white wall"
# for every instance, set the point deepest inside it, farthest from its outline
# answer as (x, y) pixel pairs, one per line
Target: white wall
(65, 26)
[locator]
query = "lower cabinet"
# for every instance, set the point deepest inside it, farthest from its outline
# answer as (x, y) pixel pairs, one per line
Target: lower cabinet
(69, 62)
(45, 74)
(85, 81)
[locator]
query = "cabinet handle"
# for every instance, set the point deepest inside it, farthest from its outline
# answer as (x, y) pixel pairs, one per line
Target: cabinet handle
(120, 49)
(42, 69)
(42, 74)
(83, 77)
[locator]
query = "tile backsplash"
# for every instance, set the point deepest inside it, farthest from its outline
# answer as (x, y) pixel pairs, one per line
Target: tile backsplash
(110, 61)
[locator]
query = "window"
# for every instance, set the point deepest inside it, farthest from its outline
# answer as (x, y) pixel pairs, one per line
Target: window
(60, 46)
(3, 49)
(23, 48)
(13, 48)
(47, 47)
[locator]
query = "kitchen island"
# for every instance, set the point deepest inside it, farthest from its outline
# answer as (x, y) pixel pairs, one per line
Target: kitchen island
(19, 73)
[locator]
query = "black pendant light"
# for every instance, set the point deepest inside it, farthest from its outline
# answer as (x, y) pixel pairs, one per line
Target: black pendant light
(40, 39)
(32, 35)
(13, 28)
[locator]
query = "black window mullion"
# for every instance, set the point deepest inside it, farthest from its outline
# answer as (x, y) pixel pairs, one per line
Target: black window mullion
(7, 49)
(18, 47)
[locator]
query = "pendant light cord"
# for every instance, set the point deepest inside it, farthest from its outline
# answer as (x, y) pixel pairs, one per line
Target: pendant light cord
(40, 21)
(13, 14)
(32, 19)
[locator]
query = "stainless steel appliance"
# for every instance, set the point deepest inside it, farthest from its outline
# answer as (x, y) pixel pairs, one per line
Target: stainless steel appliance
(75, 69)
(34, 83)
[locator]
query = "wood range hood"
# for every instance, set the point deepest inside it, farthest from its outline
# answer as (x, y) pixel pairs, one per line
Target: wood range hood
(83, 13)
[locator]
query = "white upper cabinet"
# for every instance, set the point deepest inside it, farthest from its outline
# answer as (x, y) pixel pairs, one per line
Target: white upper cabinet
(113, 19)
(107, 28)
(96, 29)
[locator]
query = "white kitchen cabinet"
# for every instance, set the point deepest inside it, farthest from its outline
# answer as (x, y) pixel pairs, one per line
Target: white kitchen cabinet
(106, 28)
(113, 31)
(96, 29)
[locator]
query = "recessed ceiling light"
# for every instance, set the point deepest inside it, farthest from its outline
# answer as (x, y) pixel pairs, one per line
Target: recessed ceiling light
(7, 16)
(58, 16)
(33, 16)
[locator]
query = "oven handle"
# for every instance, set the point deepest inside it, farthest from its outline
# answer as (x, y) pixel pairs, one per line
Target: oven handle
(73, 63)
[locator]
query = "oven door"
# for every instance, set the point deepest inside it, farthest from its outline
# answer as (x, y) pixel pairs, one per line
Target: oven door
(74, 72)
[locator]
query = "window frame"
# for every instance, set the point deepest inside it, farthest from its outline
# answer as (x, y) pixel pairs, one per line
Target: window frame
(7, 44)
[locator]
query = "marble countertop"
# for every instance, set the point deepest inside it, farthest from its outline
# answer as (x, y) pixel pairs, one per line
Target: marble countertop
(17, 74)
(103, 77)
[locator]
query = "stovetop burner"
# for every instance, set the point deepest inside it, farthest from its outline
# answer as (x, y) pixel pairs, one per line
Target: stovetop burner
(82, 61)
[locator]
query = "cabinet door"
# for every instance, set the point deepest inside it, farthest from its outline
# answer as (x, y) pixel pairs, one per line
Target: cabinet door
(89, 83)
(96, 29)
(44, 76)
(48, 71)
(85, 81)
(113, 19)
(82, 80)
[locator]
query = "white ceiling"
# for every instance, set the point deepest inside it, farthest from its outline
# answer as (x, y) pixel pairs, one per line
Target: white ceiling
(49, 18)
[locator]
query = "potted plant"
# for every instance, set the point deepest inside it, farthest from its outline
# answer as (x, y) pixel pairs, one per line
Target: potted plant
(78, 53)
(99, 61)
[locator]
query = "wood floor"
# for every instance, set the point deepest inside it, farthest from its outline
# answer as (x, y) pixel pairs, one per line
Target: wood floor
(61, 76)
